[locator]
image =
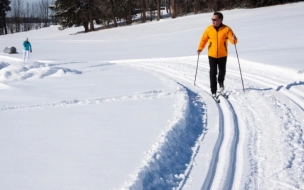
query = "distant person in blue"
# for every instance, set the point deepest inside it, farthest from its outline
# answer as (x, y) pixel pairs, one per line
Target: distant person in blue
(27, 48)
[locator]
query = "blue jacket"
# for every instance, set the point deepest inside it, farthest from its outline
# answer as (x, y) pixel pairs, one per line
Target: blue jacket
(27, 46)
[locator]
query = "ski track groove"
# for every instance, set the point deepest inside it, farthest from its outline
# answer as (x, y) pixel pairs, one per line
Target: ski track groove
(222, 170)
(215, 154)
(75, 102)
(297, 96)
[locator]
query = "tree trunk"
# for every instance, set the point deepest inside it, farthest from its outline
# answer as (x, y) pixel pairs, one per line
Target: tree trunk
(173, 8)
(158, 10)
(86, 26)
(4, 22)
(126, 18)
(168, 5)
(113, 12)
(1, 23)
(130, 15)
(195, 6)
(144, 9)
(91, 22)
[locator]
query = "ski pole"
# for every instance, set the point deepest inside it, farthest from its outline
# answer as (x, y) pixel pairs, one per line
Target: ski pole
(196, 68)
(239, 67)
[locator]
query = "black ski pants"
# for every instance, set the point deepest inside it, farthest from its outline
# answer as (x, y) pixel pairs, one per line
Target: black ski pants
(215, 63)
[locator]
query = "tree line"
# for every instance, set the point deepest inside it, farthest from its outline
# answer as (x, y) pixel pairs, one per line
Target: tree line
(18, 16)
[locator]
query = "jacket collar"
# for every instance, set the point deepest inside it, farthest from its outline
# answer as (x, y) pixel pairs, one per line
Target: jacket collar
(217, 28)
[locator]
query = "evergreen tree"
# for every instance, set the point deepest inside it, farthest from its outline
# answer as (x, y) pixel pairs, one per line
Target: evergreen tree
(4, 8)
(77, 12)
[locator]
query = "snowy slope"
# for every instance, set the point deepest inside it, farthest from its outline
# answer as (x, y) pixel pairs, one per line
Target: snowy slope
(117, 109)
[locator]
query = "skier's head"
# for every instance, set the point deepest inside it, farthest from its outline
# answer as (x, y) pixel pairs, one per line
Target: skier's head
(217, 19)
(26, 39)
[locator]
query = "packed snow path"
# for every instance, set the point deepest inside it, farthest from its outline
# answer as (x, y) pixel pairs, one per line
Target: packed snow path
(243, 156)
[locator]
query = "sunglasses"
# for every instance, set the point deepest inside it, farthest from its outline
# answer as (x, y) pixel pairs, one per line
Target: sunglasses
(213, 20)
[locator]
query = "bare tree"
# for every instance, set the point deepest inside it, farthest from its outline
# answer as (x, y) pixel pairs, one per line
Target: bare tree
(35, 14)
(44, 11)
(18, 12)
(27, 25)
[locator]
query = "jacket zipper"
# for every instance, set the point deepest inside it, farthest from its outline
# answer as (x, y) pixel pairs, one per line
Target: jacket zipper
(217, 43)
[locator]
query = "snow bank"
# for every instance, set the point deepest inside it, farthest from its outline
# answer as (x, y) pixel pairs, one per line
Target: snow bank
(35, 70)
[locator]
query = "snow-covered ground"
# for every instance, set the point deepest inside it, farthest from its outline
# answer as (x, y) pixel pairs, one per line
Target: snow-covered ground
(117, 109)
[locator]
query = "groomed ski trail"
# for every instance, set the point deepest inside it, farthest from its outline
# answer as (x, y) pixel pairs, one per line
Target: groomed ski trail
(223, 163)
(293, 94)
(246, 135)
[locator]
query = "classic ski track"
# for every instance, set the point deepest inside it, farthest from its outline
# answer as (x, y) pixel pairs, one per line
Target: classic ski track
(222, 170)
(283, 91)
(75, 102)
(294, 95)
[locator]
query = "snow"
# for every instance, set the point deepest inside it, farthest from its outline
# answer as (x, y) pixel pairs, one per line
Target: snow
(117, 108)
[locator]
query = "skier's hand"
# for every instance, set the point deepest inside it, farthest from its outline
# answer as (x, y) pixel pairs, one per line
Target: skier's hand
(31, 51)
(199, 51)
(234, 37)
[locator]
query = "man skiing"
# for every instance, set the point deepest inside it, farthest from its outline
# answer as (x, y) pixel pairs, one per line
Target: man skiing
(217, 36)
(27, 48)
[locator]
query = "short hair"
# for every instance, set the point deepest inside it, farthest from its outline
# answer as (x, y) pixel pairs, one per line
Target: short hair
(219, 15)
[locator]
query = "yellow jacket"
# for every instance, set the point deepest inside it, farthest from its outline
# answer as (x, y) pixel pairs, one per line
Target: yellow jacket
(217, 40)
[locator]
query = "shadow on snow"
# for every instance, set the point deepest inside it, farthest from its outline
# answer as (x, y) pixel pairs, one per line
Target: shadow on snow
(169, 165)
